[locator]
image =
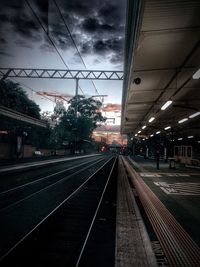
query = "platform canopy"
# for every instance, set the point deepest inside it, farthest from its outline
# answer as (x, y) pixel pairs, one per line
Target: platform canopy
(163, 50)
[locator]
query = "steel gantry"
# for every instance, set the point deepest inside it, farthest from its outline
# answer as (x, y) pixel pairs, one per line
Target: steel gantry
(60, 74)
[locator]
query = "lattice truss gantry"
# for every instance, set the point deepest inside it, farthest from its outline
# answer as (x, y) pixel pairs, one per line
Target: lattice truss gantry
(60, 74)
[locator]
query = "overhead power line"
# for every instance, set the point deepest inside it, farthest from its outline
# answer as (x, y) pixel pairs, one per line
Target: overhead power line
(28, 87)
(63, 19)
(46, 32)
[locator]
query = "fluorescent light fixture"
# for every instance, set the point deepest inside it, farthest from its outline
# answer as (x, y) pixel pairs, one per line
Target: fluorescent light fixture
(179, 139)
(143, 127)
(191, 136)
(194, 115)
(167, 104)
(157, 132)
(167, 128)
(135, 134)
(196, 75)
(139, 131)
(151, 119)
(151, 135)
(183, 120)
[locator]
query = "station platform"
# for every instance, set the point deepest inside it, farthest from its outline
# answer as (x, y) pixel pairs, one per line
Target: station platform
(40, 163)
(149, 165)
(170, 199)
(133, 246)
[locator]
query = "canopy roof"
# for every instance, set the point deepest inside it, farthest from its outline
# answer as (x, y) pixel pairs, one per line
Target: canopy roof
(163, 49)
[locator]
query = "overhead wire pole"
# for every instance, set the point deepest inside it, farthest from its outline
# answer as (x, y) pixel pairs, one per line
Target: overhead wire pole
(47, 33)
(63, 19)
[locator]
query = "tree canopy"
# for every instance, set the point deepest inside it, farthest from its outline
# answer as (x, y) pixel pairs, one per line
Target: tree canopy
(82, 117)
(14, 97)
(67, 127)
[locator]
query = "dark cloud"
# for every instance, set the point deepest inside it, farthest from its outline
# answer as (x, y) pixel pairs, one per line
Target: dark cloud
(47, 48)
(100, 46)
(23, 43)
(109, 45)
(113, 47)
(87, 47)
(111, 14)
(97, 26)
(42, 10)
(3, 18)
(2, 40)
(77, 7)
(108, 28)
(117, 58)
(3, 53)
(90, 25)
(26, 28)
(42, 5)
(12, 4)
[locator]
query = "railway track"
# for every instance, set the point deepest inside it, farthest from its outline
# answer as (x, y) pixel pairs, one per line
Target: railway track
(65, 236)
(18, 193)
(11, 177)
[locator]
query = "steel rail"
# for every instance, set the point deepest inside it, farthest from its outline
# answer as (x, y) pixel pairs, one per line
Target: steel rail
(49, 186)
(44, 178)
(53, 211)
(95, 214)
(178, 246)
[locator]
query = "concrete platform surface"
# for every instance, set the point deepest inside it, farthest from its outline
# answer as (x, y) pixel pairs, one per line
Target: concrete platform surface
(178, 189)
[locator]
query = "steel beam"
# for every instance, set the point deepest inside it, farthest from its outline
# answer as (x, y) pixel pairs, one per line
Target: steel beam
(60, 74)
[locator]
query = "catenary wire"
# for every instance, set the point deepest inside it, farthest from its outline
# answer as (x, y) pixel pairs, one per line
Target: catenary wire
(46, 32)
(64, 21)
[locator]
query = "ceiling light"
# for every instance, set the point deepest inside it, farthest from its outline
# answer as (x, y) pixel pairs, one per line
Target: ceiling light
(151, 119)
(191, 136)
(139, 131)
(194, 115)
(135, 134)
(143, 139)
(168, 127)
(167, 104)
(157, 132)
(143, 127)
(180, 139)
(196, 75)
(181, 121)
(151, 135)
(198, 141)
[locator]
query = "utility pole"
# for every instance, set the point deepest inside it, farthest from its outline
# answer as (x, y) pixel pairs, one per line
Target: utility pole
(76, 114)
(76, 96)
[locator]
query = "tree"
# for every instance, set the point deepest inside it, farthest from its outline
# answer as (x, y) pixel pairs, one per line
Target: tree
(14, 97)
(82, 117)
(78, 122)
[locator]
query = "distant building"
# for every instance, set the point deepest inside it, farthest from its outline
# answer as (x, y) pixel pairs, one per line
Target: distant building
(109, 134)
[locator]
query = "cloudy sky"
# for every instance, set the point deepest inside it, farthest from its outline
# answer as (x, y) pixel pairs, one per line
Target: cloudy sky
(97, 29)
